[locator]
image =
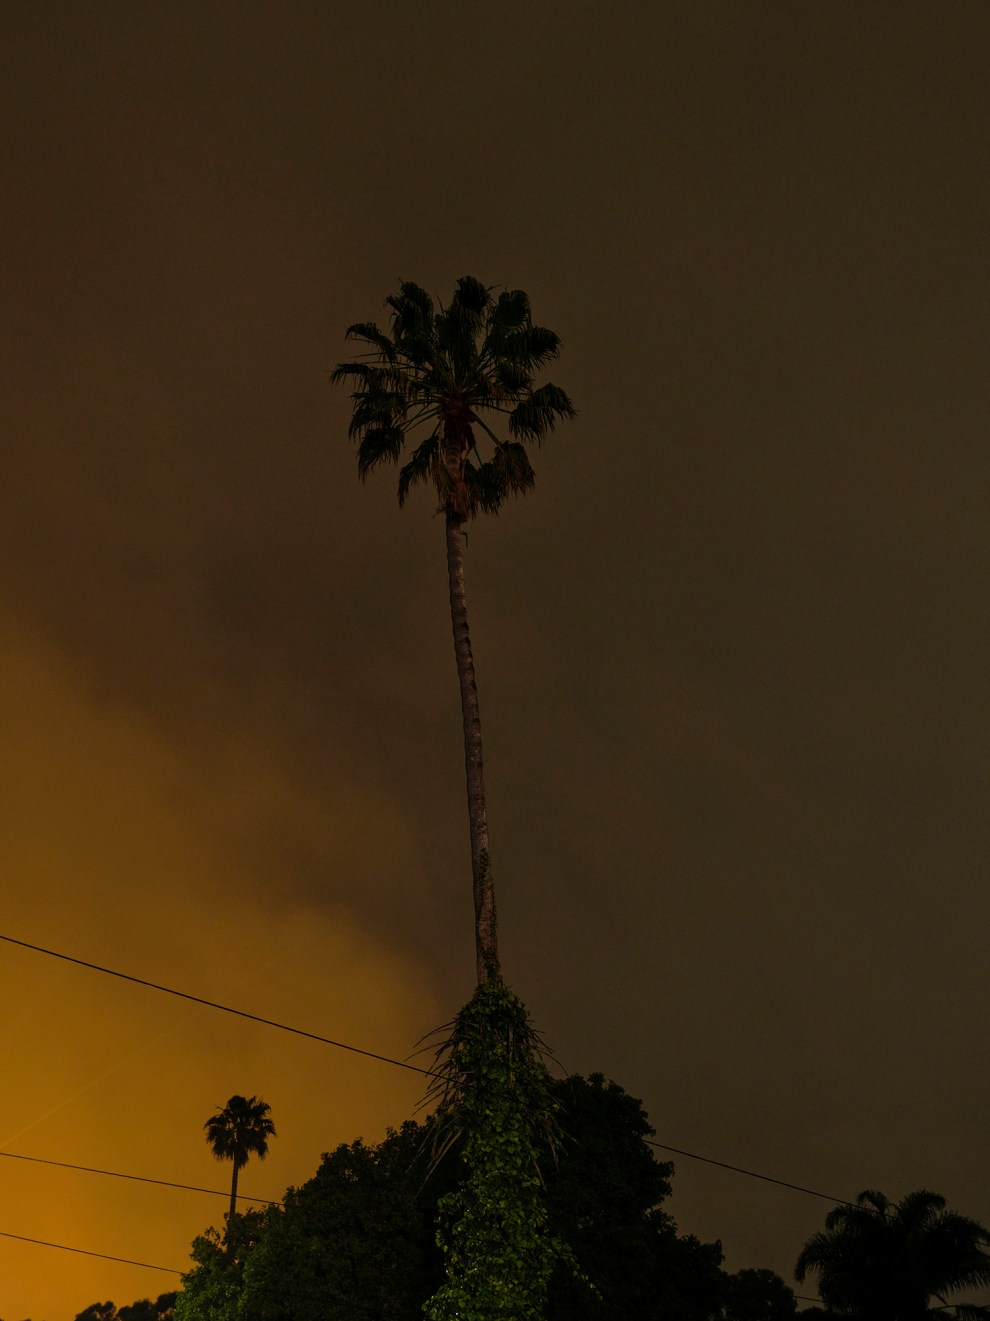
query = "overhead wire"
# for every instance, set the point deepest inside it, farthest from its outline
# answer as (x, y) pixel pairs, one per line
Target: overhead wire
(738, 1169)
(327, 1041)
(270, 1201)
(385, 1059)
(213, 1004)
(85, 1252)
(137, 1178)
(217, 1192)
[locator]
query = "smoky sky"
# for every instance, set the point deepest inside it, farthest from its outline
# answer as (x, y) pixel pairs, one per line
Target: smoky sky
(732, 650)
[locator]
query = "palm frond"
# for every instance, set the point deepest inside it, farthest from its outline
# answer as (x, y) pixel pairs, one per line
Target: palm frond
(374, 411)
(531, 347)
(381, 392)
(919, 1206)
(485, 492)
(379, 445)
(536, 416)
(471, 297)
(458, 328)
(374, 378)
(511, 468)
(369, 332)
(344, 370)
(540, 346)
(506, 329)
(873, 1200)
(411, 296)
(423, 466)
(813, 1255)
(511, 310)
(412, 320)
(513, 376)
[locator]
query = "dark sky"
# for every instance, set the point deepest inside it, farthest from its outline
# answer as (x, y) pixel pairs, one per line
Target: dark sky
(732, 652)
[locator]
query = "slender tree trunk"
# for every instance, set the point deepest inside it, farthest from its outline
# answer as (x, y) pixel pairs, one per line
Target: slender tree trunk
(485, 927)
(233, 1195)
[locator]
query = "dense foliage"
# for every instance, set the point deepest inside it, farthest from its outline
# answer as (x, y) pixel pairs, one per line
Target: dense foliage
(357, 1242)
(161, 1309)
(214, 1289)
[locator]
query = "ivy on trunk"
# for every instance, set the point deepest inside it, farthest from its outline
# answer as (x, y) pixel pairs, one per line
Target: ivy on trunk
(494, 1100)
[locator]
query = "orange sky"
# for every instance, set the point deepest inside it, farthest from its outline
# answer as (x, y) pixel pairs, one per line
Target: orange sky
(128, 855)
(732, 651)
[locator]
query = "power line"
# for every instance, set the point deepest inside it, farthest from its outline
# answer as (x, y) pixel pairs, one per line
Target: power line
(216, 1192)
(385, 1059)
(85, 1252)
(138, 1178)
(213, 1004)
(328, 1041)
(268, 1201)
(737, 1169)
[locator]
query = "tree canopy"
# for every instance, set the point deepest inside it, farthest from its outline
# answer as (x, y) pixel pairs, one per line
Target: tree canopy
(357, 1242)
(145, 1309)
(878, 1260)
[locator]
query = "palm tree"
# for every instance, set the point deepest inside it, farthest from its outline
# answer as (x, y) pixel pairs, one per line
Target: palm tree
(239, 1130)
(886, 1260)
(455, 373)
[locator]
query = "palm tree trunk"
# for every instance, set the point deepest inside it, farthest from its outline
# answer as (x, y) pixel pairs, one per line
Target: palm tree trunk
(233, 1195)
(485, 927)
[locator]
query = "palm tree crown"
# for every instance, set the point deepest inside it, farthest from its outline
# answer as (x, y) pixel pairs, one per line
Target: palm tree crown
(457, 373)
(239, 1130)
(886, 1260)
(445, 370)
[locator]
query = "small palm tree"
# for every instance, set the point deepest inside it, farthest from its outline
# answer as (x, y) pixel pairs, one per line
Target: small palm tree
(239, 1130)
(456, 373)
(886, 1261)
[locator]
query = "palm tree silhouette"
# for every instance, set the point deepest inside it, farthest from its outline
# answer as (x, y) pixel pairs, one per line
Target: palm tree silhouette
(440, 369)
(886, 1260)
(239, 1130)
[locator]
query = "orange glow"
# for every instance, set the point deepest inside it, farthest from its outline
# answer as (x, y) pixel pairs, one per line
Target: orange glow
(106, 857)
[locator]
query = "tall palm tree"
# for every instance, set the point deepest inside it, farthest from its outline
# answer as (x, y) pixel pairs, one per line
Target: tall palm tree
(886, 1261)
(239, 1130)
(456, 373)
